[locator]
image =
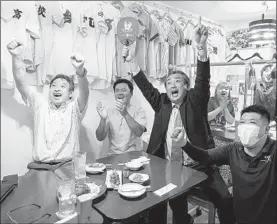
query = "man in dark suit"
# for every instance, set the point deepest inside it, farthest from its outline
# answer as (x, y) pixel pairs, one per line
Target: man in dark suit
(184, 108)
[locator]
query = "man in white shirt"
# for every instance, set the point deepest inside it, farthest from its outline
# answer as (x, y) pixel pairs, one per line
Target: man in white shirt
(57, 121)
(124, 124)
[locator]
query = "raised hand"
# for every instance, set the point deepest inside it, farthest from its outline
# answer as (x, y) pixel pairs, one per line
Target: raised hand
(16, 48)
(78, 62)
(223, 103)
(120, 107)
(126, 54)
(101, 110)
(201, 33)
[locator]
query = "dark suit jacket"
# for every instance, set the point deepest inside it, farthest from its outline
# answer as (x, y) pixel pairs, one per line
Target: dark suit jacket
(193, 111)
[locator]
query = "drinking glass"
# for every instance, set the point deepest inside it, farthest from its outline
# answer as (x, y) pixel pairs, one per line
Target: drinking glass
(67, 197)
(80, 165)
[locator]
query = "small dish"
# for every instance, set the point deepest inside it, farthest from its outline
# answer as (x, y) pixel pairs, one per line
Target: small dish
(131, 190)
(139, 177)
(95, 168)
(134, 165)
(114, 179)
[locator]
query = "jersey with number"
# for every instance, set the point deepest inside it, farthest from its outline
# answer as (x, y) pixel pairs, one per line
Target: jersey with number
(85, 39)
(106, 19)
(49, 14)
(18, 21)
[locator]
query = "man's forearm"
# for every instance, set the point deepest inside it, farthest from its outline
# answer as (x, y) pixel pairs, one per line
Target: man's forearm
(83, 88)
(102, 130)
(134, 125)
(196, 153)
(19, 73)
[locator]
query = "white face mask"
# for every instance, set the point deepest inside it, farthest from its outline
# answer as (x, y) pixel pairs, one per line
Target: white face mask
(248, 134)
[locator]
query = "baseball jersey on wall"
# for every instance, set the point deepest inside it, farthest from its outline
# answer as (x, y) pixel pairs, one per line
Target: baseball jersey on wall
(49, 14)
(63, 45)
(106, 19)
(18, 21)
(85, 41)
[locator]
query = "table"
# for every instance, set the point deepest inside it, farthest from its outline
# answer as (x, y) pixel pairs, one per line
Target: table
(161, 172)
(37, 187)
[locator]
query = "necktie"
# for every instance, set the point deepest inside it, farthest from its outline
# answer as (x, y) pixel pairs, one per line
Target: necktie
(176, 152)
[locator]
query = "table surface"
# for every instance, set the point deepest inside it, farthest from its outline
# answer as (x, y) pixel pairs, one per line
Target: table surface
(37, 187)
(160, 171)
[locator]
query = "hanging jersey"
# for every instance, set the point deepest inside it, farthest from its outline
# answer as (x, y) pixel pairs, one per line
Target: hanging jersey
(106, 19)
(63, 45)
(49, 13)
(18, 21)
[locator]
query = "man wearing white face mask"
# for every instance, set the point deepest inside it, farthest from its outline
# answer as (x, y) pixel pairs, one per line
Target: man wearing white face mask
(253, 163)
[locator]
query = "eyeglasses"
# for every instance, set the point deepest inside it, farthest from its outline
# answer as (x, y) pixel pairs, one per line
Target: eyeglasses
(28, 207)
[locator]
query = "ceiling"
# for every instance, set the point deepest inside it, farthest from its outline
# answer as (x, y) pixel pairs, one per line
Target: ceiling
(230, 14)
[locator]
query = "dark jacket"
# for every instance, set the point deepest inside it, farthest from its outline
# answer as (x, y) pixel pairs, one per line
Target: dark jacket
(193, 111)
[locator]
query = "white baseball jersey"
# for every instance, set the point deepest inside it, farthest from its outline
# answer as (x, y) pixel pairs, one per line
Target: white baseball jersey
(85, 41)
(63, 44)
(18, 21)
(106, 19)
(49, 14)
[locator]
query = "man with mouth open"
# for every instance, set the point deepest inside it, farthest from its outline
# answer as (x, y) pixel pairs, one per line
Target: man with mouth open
(124, 124)
(185, 108)
(57, 120)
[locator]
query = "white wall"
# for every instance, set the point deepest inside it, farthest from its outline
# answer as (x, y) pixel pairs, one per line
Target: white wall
(16, 128)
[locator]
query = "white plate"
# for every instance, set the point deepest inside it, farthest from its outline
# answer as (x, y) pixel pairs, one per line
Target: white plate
(108, 179)
(138, 177)
(131, 190)
(94, 168)
(133, 165)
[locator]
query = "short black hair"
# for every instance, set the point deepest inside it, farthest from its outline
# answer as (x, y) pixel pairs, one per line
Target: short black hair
(130, 85)
(186, 78)
(257, 109)
(67, 78)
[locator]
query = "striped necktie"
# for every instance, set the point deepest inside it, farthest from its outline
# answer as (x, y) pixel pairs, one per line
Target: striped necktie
(176, 153)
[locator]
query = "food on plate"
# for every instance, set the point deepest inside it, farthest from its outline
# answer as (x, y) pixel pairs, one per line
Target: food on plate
(137, 178)
(82, 189)
(114, 179)
(96, 165)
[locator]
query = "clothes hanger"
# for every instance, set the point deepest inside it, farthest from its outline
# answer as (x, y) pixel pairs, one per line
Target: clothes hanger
(255, 55)
(236, 56)
(219, 31)
(136, 8)
(155, 12)
(167, 16)
(144, 8)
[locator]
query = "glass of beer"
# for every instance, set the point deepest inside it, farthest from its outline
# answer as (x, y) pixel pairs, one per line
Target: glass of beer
(80, 165)
(67, 197)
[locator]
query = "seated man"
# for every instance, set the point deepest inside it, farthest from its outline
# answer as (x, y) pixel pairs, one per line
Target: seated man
(57, 121)
(123, 124)
(253, 163)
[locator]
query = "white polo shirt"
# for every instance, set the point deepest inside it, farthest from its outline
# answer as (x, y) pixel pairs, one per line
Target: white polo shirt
(56, 131)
